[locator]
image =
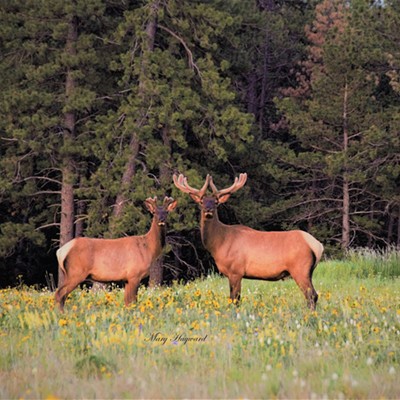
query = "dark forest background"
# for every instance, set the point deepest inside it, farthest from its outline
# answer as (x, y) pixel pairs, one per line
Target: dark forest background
(101, 101)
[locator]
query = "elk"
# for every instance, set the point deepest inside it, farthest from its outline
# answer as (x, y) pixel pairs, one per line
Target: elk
(125, 259)
(242, 252)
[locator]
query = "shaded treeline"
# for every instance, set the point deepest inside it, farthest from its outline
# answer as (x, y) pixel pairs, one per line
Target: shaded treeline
(102, 101)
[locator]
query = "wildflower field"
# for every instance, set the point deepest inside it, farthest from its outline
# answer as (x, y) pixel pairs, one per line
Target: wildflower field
(188, 341)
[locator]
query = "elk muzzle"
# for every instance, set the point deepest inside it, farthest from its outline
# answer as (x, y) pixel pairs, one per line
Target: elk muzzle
(161, 215)
(208, 207)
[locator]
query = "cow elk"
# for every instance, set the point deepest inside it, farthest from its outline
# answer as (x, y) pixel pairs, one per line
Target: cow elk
(241, 252)
(126, 259)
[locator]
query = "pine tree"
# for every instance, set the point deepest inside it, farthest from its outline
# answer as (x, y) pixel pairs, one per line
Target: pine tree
(337, 124)
(389, 23)
(176, 111)
(52, 69)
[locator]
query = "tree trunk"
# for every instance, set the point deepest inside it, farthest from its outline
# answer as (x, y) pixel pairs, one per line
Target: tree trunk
(67, 202)
(252, 95)
(269, 6)
(157, 272)
(398, 231)
(67, 186)
(345, 215)
(264, 80)
(79, 226)
(157, 268)
(371, 216)
(346, 191)
(134, 145)
(129, 173)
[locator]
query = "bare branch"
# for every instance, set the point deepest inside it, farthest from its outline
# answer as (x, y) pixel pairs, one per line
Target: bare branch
(45, 178)
(47, 226)
(192, 65)
(46, 192)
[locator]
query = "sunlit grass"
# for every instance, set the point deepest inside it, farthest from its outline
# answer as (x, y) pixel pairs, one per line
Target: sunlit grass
(189, 341)
(364, 263)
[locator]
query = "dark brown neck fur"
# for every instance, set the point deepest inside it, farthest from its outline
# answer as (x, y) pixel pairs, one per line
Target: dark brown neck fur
(156, 237)
(212, 231)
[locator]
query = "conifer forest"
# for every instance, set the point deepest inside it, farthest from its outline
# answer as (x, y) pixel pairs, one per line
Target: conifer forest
(102, 101)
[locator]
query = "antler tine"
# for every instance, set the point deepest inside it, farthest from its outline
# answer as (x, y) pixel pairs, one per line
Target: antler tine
(213, 187)
(152, 200)
(167, 200)
(237, 184)
(181, 184)
(203, 190)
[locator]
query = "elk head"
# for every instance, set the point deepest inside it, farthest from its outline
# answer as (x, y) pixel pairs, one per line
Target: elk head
(160, 212)
(209, 204)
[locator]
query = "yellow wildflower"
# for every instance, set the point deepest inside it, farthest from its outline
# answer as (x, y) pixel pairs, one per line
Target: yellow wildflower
(52, 397)
(195, 325)
(328, 295)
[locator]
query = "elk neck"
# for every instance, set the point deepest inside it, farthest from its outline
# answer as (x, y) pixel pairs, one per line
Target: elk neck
(212, 231)
(156, 237)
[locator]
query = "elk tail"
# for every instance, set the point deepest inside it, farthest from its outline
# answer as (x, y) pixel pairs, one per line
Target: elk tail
(62, 254)
(316, 246)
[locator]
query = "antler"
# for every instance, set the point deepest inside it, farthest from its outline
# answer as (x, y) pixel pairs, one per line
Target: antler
(167, 201)
(151, 204)
(152, 200)
(181, 183)
(239, 183)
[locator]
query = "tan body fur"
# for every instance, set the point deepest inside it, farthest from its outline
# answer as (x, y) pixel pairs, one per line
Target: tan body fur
(257, 254)
(126, 259)
(242, 252)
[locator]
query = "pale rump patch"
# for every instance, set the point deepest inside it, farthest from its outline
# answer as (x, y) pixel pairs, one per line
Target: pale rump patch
(62, 253)
(316, 246)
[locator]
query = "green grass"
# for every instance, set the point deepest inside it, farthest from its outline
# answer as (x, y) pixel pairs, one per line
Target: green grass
(271, 346)
(364, 263)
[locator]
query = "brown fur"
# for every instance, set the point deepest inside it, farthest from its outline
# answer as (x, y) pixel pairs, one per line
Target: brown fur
(126, 259)
(241, 252)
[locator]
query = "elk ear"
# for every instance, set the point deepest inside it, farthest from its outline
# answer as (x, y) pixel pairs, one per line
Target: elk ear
(223, 198)
(150, 205)
(172, 206)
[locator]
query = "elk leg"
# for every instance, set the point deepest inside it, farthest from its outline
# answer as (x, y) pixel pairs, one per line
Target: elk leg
(306, 286)
(131, 289)
(235, 286)
(63, 292)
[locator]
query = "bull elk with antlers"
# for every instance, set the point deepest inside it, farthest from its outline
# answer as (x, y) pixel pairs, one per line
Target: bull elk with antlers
(105, 260)
(241, 252)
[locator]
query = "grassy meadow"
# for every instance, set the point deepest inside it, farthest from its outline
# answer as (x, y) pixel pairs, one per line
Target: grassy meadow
(188, 341)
